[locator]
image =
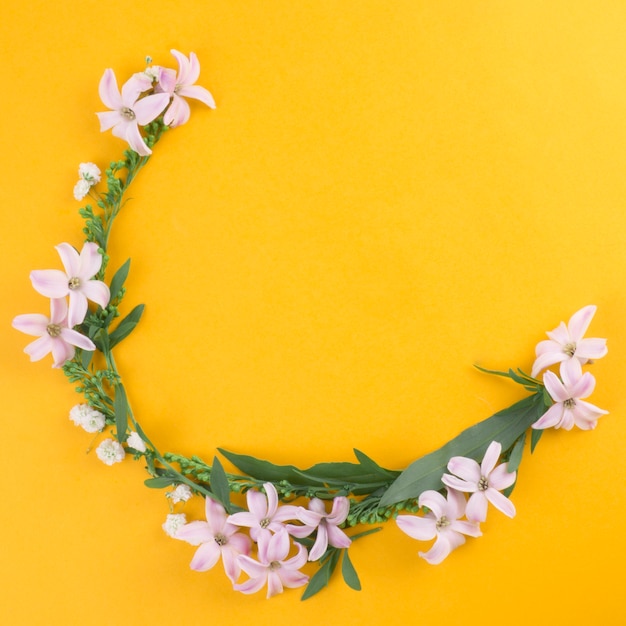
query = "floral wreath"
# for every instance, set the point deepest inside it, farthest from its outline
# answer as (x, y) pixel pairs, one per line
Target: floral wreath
(443, 496)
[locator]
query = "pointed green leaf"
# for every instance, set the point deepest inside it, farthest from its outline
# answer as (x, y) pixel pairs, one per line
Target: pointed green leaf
(535, 436)
(369, 464)
(504, 427)
(321, 578)
(349, 573)
(85, 358)
(516, 454)
(126, 326)
(119, 278)
(263, 470)
(219, 484)
(120, 409)
(159, 483)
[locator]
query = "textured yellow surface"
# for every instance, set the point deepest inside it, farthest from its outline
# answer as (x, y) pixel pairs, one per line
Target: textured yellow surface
(386, 194)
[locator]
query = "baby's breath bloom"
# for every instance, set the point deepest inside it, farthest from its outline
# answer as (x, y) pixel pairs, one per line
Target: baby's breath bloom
(89, 172)
(173, 523)
(87, 417)
(110, 452)
(81, 189)
(136, 442)
(182, 493)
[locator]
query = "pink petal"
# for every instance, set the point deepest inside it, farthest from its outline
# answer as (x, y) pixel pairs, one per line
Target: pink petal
(274, 584)
(215, 516)
(309, 518)
(272, 499)
(254, 584)
(550, 418)
(456, 504)
(167, 80)
(292, 578)
(299, 531)
(239, 543)
(252, 568)
(206, 556)
(244, 518)
(476, 510)
(583, 387)
(231, 564)
(560, 334)
(555, 387)
(78, 308)
(185, 73)
(500, 479)
(178, 112)
(454, 482)
(31, 324)
(96, 291)
(195, 533)
(278, 547)
(286, 512)
(337, 538)
(198, 93)
(579, 322)
(467, 528)
(77, 339)
(109, 119)
(296, 562)
(130, 133)
(50, 283)
(434, 501)
(464, 468)
(257, 504)
(108, 90)
(320, 545)
(133, 88)
(149, 108)
(340, 510)
(591, 348)
(587, 411)
(546, 360)
(39, 348)
(58, 311)
(491, 458)
(500, 501)
(61, 352)
(439, 551)
(422, 528)
(89, 261)
(70, 259)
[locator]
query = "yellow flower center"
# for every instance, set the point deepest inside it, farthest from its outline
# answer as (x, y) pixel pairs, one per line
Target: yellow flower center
(54, 330)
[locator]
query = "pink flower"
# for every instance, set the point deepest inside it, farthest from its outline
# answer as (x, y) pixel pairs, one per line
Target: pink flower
(568, 408)
(483, 481)
(54, 334)
(273, 567)
(128, 110)
(75, 281)
(327, 525)
(567, 346)
(441, 522)
(216, 537)
(264, 515)
(182, 85)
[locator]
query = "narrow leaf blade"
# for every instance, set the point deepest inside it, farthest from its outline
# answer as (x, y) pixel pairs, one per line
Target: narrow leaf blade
(126, 326)
(219, 484)
(349, 573)
(120, 409)
(119, 278)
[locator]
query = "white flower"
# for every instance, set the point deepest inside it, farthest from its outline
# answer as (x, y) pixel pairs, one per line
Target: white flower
(81, 189)
(153, 72)
(89, 172)
(136, 442)
(87, 417)
(110, 452)
(182, 493)
(173, 522)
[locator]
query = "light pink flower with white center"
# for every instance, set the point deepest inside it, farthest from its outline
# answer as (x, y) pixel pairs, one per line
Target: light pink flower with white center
(326, 524)
(54, 334)
(568, 408)
(273, 567)
(182, 84)
(216, 538)
(128, 109)
(75, 281)
(567, 346)
(483, 481)
(441, 523)
(264, 514)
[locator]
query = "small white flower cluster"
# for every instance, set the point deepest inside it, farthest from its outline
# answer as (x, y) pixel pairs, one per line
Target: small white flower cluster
(181, 493)
(110, 452)
(135, 442)
(87, 417)
(88, 176)
(173, 523)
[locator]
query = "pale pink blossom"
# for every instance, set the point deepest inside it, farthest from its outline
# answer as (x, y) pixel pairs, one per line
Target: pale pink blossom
(483, 481)
(273, 566)
(441, 523)
(216, 538)
(54, 334)
(327, 525)
(75, 281)
(567, 346)
(568, 408)
(110, 452)
(182, 84)
(264, 515)
(128, 109)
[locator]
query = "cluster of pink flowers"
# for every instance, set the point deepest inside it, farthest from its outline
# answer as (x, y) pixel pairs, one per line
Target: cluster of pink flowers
(568, 348)
(146, 95)
(443, 521)
(222, 536)
(75, 283)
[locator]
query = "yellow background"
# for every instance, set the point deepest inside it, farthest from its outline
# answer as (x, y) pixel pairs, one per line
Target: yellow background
(387, 193)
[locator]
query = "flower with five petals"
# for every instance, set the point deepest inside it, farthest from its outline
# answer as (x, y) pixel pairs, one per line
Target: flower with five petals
(54, 334)
(182, 84)
(128, 109)
(568, 408)
(441, 523)
(216, 537)
(483, 481)
(273, 566)
(567, 346)
(75, 281)
(327, 525)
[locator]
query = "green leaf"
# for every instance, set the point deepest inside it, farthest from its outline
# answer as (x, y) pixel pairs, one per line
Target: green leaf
(349, 573)
(515, 457)
(369, 531)
(369, 464)
(219, 484)
(505, 427)
(126, 326)
(85, 358)
(120, 409)
(119, 278)
(263, 470)
(160, 483)
(535, 436)
(321, 578)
